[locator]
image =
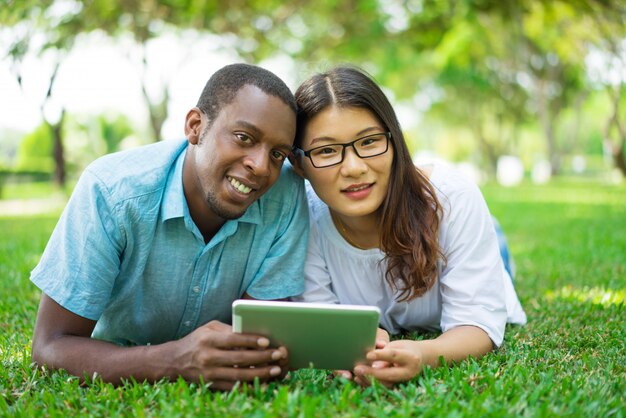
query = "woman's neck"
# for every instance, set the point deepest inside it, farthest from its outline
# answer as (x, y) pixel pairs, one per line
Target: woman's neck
(360, 232)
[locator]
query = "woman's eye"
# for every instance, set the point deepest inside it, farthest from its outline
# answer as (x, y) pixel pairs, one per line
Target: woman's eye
(326, 151)
(372, 140)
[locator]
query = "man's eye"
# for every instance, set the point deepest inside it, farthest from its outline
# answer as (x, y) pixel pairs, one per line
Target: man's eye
(243, 137)
(277, 155)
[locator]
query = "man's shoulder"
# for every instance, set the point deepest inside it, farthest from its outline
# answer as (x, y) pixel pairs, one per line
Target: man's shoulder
(136, 171)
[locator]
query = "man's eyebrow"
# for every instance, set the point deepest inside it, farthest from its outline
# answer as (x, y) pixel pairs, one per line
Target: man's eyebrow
(250, 126)
(286, 148)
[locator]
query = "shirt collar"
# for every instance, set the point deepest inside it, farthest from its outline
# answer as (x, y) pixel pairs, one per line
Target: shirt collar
(174, 204)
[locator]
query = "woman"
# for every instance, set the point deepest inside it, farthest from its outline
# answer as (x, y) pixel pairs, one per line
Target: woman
(419, 243)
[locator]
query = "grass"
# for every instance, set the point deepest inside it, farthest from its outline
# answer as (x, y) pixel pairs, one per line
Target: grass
(569, 243)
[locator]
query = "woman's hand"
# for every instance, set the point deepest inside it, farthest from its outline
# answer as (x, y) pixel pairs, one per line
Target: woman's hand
(401, 360)
(398, 361)
(382, 339)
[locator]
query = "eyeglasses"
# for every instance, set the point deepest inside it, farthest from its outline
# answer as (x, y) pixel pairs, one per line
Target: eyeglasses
(333, 154)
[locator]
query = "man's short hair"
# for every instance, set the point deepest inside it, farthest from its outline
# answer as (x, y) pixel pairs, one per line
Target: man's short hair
(224, 84)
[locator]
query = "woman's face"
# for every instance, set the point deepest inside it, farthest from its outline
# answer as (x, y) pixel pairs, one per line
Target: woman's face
(356, 186)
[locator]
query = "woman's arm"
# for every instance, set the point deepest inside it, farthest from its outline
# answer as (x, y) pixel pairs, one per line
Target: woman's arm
(401, 360)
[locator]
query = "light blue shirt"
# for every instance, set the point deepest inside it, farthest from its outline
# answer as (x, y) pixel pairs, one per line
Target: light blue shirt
(127, 254)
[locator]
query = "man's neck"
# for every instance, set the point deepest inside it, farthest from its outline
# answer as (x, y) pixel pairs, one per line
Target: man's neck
(208, 223)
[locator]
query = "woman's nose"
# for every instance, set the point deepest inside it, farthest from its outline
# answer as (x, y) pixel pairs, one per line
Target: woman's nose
(352, 165)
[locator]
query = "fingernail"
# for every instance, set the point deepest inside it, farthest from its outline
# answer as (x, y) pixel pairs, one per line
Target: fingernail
(277, 355)
(275, 371)
(263, 342)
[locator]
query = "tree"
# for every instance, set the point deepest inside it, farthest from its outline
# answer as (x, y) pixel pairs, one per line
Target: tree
(610, 41)
(40, 29)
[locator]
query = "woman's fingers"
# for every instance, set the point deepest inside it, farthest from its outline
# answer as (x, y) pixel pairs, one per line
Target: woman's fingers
(343, 373)
(390, 365)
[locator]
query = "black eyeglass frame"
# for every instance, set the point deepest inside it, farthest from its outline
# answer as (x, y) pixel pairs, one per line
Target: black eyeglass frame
(343, 149)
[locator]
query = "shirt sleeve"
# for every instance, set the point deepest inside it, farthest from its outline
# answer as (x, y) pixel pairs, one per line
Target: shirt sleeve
(472, 289)
(281, 273)
(82, 259)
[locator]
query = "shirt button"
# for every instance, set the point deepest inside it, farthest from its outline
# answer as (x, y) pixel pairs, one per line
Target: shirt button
(196, 289)
(187, 323)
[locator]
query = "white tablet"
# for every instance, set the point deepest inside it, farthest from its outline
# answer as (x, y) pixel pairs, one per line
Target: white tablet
(323, 336)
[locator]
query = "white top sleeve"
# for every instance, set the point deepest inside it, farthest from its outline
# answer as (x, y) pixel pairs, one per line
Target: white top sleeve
(473, 287)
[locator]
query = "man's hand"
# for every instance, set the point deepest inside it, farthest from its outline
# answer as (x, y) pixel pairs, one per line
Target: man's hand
(62, 340)
(213, 352)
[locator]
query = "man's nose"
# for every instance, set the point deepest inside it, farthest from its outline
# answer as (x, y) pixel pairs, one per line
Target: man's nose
(258, 162)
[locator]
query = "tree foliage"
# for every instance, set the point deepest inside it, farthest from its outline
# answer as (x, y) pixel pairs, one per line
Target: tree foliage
(499, 66)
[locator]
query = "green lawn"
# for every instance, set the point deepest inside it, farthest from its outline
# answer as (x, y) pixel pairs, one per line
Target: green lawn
(569, 243)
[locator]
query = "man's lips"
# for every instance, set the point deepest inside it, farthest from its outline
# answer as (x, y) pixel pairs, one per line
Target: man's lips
(242, 186)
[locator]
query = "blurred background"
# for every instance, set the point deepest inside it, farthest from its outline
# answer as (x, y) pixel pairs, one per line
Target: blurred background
(511, 90)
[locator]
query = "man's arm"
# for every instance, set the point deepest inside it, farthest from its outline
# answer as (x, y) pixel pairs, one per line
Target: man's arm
(62, 340)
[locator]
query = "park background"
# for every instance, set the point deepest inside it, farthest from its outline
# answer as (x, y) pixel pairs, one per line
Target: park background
(527, 96)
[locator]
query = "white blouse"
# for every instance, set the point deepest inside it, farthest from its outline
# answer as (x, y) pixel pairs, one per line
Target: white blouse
(473, 288)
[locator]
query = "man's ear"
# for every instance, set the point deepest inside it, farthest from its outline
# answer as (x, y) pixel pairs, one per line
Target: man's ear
(193, 125)
(296, 163)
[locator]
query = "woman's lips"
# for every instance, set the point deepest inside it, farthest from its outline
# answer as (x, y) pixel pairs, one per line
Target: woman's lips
(358, 191)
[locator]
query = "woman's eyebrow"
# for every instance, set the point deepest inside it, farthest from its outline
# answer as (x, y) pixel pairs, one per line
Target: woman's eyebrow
(360, 133)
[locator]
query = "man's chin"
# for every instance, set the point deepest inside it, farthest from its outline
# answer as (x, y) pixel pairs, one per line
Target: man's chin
(228, 213)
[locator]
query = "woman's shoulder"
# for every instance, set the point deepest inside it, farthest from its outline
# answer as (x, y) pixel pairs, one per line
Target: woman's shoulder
(451, 182)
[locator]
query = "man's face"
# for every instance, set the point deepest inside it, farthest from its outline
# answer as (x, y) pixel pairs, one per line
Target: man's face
(238, 156)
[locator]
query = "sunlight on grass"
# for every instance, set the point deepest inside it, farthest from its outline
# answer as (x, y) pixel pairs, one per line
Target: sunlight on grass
(595, 295)
(12, 356)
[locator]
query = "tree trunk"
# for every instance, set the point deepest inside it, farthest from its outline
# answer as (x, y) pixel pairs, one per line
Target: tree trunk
(58, 152)
(617, 150)
(547, 123)
(619, 159)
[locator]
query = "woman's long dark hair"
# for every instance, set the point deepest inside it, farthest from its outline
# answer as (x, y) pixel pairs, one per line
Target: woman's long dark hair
(411, 212)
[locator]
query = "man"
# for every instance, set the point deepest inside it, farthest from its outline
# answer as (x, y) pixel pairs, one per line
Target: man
(155, 244)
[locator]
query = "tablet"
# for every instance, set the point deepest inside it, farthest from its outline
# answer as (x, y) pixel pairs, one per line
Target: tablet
(322, 336)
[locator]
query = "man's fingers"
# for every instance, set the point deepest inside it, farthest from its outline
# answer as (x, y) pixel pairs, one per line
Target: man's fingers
(246, 358)
(220, 335)
(220, 375)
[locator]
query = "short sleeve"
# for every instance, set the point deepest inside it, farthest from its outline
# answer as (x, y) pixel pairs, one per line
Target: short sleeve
(317, 280)
(472, 288)
(82, 258)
